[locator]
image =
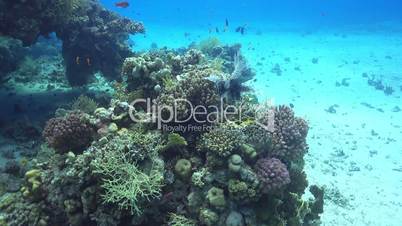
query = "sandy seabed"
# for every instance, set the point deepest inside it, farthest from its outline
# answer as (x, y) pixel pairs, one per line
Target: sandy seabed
(355, 151)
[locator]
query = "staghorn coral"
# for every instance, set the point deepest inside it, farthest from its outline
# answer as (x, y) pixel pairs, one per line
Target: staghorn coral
(59, 132)
(272, 174)
(125, 183)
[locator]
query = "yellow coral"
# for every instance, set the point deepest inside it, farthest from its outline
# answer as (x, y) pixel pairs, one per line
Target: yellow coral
(33, 183)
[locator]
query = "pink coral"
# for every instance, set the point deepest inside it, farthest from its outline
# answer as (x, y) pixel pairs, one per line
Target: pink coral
(289, 136)
(272, 174)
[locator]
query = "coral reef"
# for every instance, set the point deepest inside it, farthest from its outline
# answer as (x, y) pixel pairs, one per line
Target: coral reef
(93, 38)
(123, 172)
(289, 136)
(11, 52)
(69, 133)
(85, 104)
(221, 141)
(272, 174)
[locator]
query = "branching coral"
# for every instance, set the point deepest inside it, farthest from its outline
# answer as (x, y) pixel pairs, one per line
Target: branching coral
(125, 183)
(180, 220)
(235, 173)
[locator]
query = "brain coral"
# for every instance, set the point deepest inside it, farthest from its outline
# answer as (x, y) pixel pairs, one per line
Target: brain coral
(272, 174)
(69, 133)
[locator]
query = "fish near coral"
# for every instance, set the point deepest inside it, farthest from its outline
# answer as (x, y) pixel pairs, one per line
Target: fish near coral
(123, 4)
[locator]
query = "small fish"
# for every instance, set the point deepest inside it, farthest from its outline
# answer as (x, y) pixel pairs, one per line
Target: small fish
(217, 30)
(122, 4)
(240, 29)
(77, 60)
(88, 61)
(227, 22)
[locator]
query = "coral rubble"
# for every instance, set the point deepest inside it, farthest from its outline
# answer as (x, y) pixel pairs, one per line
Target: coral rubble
(105, 169)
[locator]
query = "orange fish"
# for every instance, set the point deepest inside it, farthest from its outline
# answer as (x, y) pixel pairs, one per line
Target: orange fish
(123, 4)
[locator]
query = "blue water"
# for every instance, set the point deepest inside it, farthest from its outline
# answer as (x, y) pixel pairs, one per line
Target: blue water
(308, 13)
(323, 49)
(356, 149)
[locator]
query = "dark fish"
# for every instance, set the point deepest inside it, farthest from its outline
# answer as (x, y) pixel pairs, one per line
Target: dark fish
(217, 30)
(240, 29)
(123, 4)
(227, 23)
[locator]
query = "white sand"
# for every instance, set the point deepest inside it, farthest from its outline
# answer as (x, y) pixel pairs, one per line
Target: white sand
(373, 193)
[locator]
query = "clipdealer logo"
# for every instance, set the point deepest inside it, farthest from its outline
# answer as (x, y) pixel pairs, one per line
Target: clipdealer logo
(163, 115)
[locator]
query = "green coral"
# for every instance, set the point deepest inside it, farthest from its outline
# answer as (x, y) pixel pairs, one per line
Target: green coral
(85, 104)
(208, 217)
(216, 197)
(235, 163)
(207, 46)
(199, 177)
(134, 144)
(248, 151)
(180, 220)
(125, 183)
(183, 168)
(241, 191)
(32, 189)
(175, 140)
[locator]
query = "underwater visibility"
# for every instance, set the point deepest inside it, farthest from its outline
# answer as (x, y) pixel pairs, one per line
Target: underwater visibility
(200, 113)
